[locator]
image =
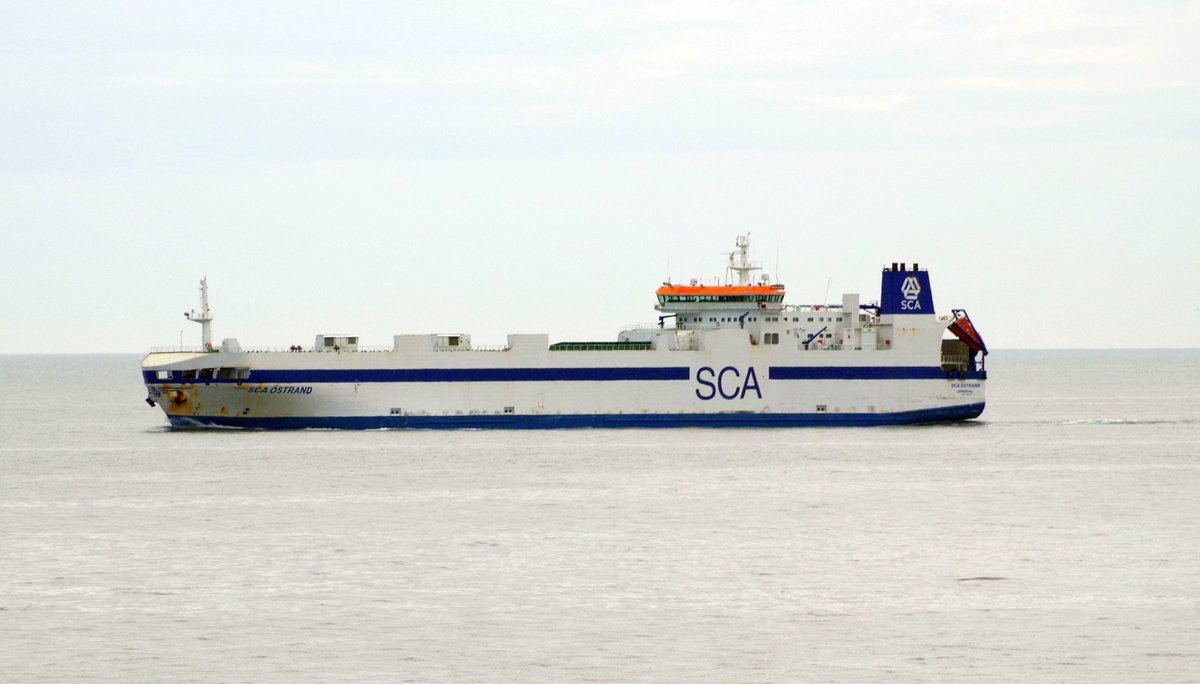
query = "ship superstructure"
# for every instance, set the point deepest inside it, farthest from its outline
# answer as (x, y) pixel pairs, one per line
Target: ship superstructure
(727, 354)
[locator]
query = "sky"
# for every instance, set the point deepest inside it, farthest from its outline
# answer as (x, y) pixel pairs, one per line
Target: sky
(522, 167)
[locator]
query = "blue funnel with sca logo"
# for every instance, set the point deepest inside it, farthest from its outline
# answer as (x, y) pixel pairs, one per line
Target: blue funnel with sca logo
(905, 292)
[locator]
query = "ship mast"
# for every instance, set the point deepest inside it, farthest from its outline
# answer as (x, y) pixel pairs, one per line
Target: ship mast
(204, 317)
(739, 261)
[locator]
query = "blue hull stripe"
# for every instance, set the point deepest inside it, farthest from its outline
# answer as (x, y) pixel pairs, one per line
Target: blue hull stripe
(868, 373)
(628, 420)
(568, 374)
(450, 375)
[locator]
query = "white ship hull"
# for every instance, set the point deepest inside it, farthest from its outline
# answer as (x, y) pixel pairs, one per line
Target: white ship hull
(730, 384)
(736, 356)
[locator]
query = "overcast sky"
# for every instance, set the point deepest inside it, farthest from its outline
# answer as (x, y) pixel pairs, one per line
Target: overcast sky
(496, 167)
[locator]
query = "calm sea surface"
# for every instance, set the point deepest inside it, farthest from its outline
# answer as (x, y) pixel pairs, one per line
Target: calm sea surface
(1055, 539)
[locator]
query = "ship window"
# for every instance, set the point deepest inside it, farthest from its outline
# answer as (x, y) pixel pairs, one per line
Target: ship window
(163, 375)
(510, 409)
(810, 319)
(189, 375)
(206, 373)
(839, 320)
(821, 408)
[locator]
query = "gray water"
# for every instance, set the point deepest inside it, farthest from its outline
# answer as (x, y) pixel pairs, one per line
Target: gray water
(1055, 539)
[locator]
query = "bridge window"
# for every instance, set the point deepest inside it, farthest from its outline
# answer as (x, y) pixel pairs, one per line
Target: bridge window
(233, 373)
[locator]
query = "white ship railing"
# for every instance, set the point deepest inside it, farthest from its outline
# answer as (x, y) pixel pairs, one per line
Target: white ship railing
(638, 327)
(310, 350)
(956, 361)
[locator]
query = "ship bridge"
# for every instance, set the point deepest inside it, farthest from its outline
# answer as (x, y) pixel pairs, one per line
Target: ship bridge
(678, 297)
(715, 306)
(728, 304)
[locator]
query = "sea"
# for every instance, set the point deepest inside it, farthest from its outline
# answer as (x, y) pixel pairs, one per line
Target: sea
(1056, 538)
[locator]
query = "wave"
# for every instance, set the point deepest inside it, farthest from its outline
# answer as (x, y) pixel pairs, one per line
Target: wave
(1129, 421)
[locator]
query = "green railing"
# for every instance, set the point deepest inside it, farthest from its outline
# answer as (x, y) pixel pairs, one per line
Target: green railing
(601, 346)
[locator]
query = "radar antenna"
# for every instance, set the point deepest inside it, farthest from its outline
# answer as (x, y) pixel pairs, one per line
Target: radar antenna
(739, 261)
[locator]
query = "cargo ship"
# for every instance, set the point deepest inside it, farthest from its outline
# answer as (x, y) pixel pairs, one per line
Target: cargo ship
(730, 353)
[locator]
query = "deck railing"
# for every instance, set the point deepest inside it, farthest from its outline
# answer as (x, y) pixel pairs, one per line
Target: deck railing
(956, 362)
(310, 350)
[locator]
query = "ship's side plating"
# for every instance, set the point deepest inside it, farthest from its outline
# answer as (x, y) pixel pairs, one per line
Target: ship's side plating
(736, 356)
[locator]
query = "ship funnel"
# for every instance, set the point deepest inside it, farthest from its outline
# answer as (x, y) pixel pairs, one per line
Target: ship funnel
(905, 292)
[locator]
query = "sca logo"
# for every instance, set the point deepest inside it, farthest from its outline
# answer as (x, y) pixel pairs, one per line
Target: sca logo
(911, 289)
(729, 383)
